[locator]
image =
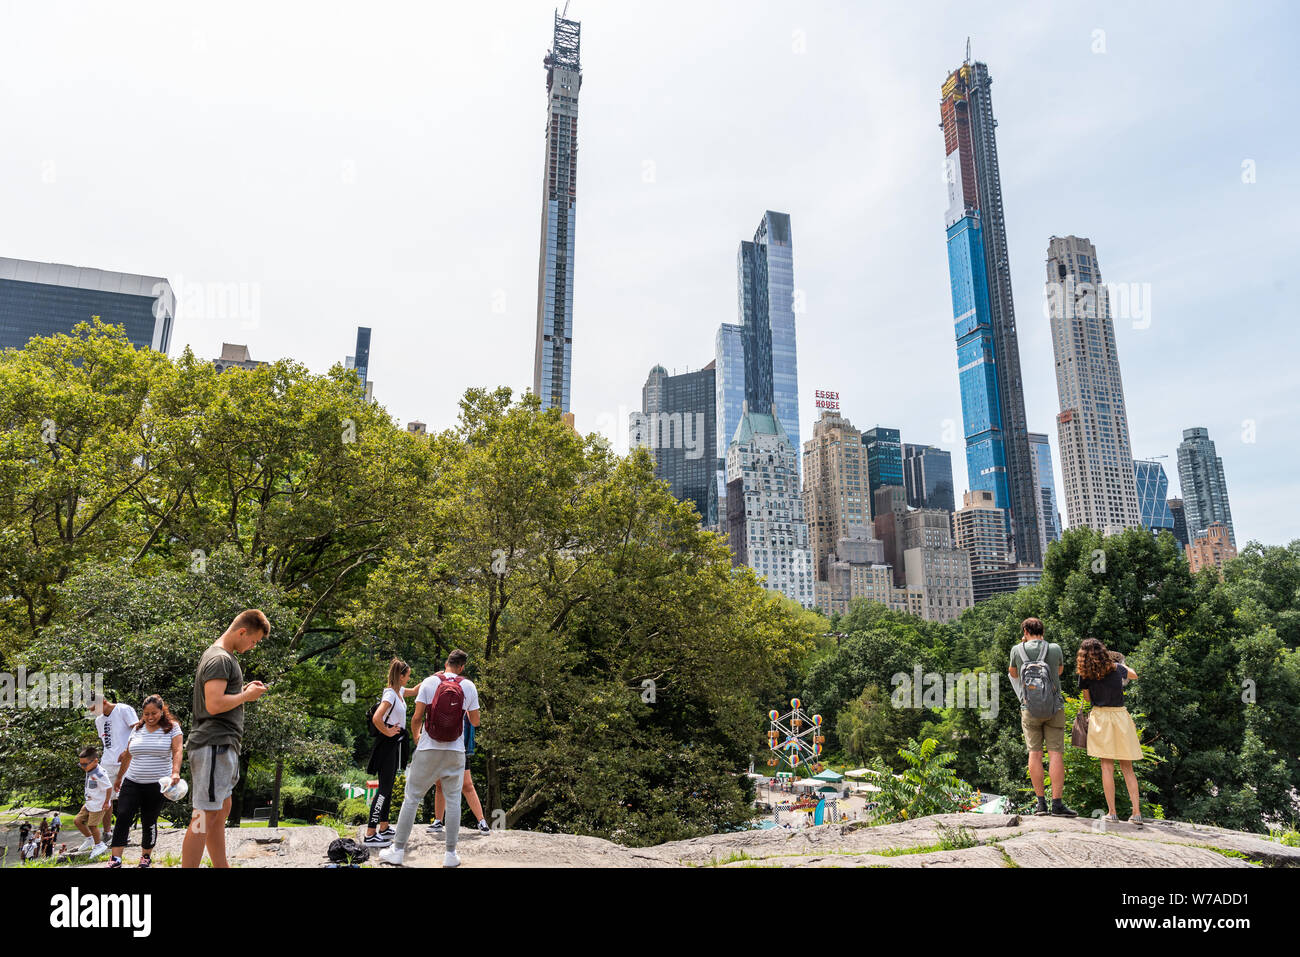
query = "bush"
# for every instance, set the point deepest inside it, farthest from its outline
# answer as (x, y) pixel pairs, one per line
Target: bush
(354, 811)
(927, 785)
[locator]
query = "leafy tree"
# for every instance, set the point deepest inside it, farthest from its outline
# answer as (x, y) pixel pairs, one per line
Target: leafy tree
(926, 786)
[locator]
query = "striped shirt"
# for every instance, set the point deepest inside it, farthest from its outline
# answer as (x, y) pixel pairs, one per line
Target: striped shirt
(151, 754)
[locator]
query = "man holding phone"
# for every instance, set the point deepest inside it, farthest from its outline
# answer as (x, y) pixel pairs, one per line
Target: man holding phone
(219, 697)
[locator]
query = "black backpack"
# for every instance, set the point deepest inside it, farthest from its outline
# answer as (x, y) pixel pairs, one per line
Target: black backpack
(370, 719)
(345, 850)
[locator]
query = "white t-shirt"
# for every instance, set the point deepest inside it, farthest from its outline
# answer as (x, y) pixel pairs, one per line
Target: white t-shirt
(397, 713)
(427, 687)
(151, 754)
(114, 728)
(98, 788)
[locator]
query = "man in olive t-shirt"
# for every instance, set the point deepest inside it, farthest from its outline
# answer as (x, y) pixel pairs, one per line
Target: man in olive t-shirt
(1042, 731)
(219, 697)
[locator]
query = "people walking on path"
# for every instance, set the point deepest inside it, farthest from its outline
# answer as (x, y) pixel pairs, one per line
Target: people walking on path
(216, 735)
(1035, 668)
(389, 754)
(1112, 735)
(445, 701)
(153, 752)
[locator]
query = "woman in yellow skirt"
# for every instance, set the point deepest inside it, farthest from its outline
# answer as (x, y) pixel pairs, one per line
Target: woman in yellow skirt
(1112, 736)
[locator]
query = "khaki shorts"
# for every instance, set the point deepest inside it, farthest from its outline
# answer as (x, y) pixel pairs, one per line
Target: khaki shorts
(90, 818)
(1037, 729)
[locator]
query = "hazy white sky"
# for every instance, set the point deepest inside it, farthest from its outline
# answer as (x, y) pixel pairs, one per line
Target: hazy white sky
(345, 164)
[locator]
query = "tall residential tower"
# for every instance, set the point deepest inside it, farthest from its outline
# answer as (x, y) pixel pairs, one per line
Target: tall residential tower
(1092, 428)
(553, 361)
(998, 457)
(1205, 492)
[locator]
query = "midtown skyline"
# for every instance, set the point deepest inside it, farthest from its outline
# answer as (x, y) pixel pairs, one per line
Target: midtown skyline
(667, 189)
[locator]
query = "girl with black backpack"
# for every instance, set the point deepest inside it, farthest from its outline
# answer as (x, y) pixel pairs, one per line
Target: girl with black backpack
(392, 742)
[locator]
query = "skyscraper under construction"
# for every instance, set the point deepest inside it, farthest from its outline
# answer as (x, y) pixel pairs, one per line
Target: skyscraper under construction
(553, 362)
(988, 353)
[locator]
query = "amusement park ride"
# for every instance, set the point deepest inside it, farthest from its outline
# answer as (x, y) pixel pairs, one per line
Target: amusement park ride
(795, 739)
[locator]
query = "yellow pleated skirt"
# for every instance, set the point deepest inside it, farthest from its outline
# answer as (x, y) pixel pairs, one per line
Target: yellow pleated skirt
(1112, 734)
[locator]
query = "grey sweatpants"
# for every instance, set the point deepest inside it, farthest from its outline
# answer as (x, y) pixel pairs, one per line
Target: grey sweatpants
(426, 768)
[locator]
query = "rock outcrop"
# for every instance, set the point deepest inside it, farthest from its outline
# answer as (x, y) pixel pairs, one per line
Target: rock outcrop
(990, 841)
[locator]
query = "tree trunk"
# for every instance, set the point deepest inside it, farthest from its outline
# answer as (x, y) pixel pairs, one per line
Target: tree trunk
(236, 816)
(275, 794)
(494, 789)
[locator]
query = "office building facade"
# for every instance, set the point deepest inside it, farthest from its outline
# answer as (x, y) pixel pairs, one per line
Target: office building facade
(1205, 490)
(1049, 513)
(834, 487)
(676, 424)
(553, 357)
(765, 279)
(1211, 549)
(235, 356)
(1180, 521)
(933, 566)
(988, 352)
(729, 392)
(884, 457)
(49, 299)
(1092, 427)
(765, 514)
(856, 571)
(927, 477)
(1153, 496)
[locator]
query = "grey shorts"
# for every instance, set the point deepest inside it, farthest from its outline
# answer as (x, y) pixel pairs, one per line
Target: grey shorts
(214, 772)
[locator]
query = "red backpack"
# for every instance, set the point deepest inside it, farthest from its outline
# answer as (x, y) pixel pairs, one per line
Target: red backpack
(444, 719)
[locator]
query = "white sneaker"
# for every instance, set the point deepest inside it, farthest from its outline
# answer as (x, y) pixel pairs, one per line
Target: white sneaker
(99, 850)
(85, 845)
(451, 859)
(392, 855)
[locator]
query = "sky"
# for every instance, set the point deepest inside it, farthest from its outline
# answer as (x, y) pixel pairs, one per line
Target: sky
(297, 170)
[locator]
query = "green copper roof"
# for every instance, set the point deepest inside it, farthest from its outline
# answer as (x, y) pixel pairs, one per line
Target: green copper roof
(758, 423)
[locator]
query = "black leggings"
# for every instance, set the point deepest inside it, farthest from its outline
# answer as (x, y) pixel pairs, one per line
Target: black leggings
(147, 799)
(386, 759)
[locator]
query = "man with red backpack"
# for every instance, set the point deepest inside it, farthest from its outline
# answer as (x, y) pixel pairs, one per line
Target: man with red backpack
(444, 702)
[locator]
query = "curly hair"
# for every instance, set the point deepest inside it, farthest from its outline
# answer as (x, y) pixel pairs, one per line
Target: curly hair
(1094, 661)
(164, 722)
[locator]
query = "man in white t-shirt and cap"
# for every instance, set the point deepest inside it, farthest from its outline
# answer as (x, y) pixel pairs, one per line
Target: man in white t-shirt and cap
(113, 724)
(444, 702)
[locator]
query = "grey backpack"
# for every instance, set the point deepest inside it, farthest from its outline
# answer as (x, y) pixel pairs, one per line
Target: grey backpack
(1041, 698)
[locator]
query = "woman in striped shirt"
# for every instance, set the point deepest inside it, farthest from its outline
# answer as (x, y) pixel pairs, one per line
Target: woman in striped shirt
(152, 752)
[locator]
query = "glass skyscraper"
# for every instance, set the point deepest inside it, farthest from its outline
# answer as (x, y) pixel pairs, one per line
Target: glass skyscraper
(884, 458)
(1153, 496)
(553, 360)
(362, 357)
(677, 424)
(48, 299)
(1205, 491)
(1049, 514)
(988, 352)
(927, 477)
(765, 273)
(729, 396)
